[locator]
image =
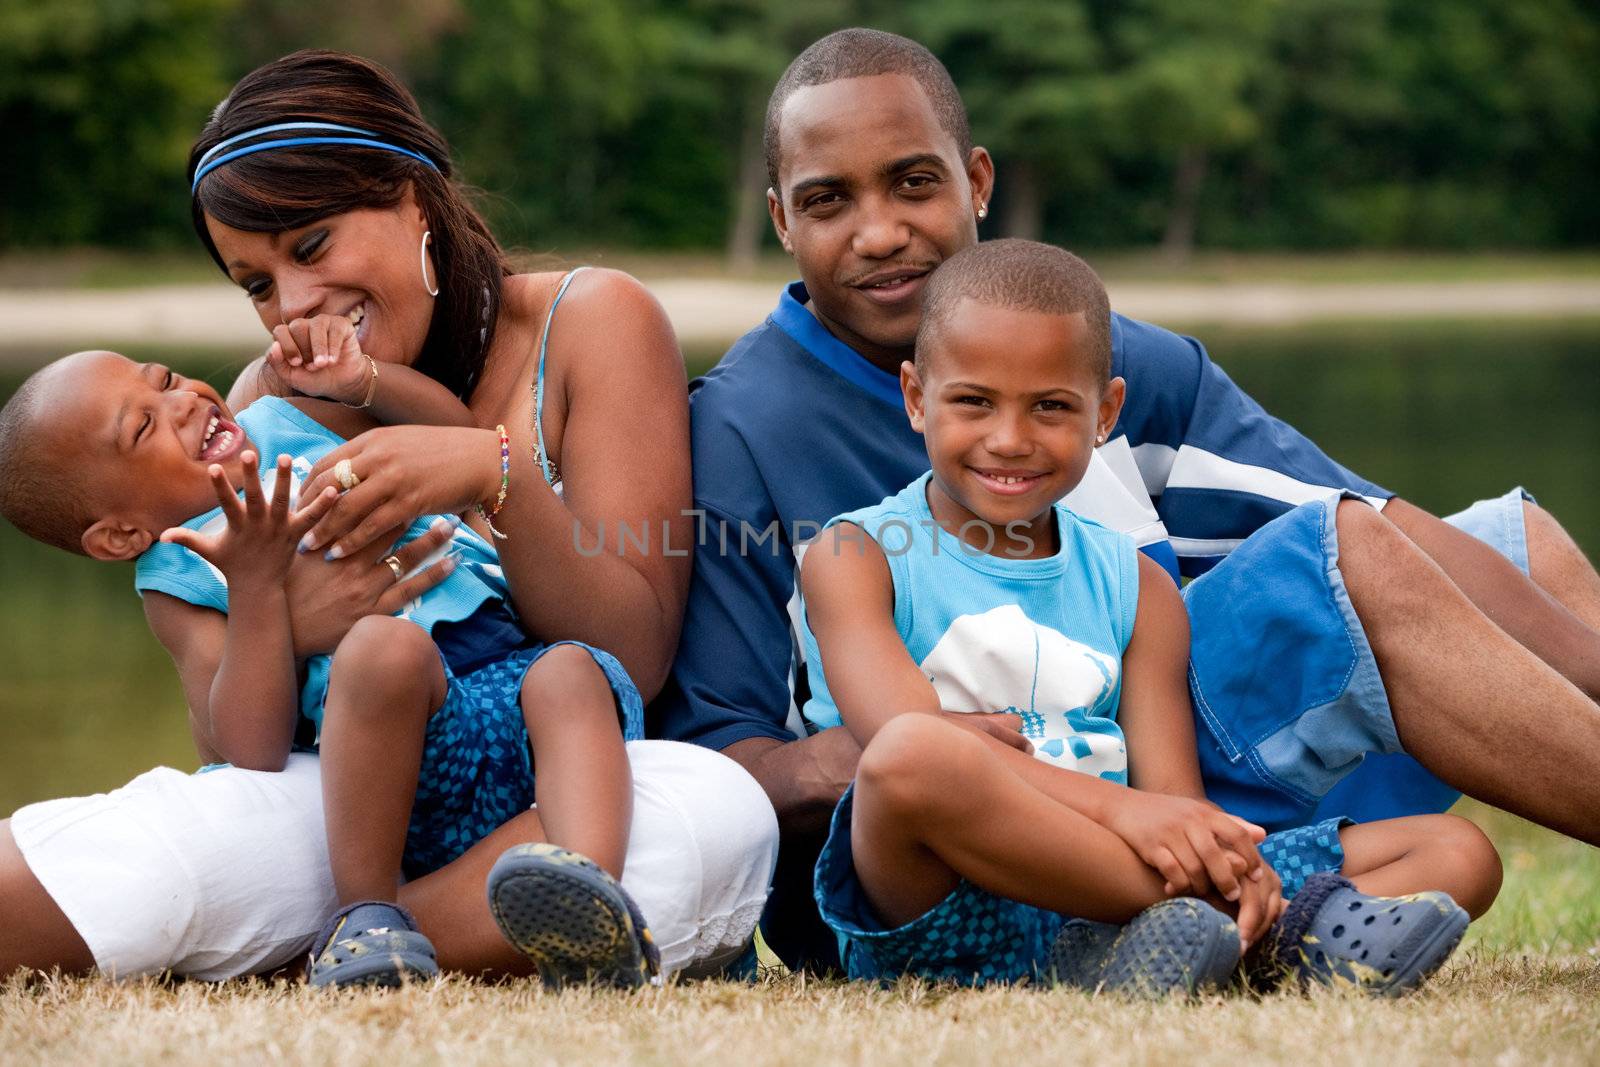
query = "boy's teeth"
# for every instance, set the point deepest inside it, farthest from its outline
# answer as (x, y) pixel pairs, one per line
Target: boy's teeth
(357, 313)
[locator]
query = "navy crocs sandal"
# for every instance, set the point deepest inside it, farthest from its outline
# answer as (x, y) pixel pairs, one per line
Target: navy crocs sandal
(372, 943)
(1333, 934)
(1176, 946)
(572, 919)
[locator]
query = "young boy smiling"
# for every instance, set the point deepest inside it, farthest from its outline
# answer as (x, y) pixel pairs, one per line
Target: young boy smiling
(956, 857)
(428, 720)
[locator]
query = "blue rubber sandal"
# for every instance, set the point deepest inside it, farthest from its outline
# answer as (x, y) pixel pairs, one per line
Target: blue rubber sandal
(372, 943)
(1333, 934)
(572, 919)
(1176, 946)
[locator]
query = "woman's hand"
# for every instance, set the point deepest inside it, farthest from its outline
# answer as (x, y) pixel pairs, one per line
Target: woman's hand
(403, 472)
(326, 598)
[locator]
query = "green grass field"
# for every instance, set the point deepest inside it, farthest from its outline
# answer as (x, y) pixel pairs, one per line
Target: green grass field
(1523, 989)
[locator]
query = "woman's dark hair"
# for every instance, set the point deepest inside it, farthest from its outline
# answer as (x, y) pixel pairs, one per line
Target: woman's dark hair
(282, 189)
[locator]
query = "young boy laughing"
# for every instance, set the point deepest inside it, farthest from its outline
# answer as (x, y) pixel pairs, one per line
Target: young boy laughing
(957, 857)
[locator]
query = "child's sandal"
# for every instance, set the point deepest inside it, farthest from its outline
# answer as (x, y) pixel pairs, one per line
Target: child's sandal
(1333, 934)
(572, 919)
(372, 943)
(1178, 946)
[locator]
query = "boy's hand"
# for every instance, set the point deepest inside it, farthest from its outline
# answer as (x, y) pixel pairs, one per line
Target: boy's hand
(1195, 846)
(1260, 905)
(320, 356)
(259, 542)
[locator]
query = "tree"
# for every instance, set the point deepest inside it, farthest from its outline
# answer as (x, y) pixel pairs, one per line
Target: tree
(99, 100)
(1065, 94)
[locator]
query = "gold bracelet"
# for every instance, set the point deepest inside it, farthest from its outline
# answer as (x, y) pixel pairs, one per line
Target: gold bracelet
(372, 387)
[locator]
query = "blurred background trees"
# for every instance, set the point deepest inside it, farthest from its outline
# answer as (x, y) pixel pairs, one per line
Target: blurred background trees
(1114, 123)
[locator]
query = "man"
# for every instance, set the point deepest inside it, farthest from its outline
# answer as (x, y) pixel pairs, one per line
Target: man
(1489, 656)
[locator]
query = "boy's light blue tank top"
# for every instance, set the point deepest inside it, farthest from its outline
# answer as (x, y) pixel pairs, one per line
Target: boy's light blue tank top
(1042, 638)
(276, 427)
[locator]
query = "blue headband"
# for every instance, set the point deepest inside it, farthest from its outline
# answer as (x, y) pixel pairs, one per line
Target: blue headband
(211, 161)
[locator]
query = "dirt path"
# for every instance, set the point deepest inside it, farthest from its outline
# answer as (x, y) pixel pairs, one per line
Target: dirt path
(708, 312)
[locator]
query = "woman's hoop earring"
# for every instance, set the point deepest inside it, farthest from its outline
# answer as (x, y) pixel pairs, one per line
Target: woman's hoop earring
(433, 290)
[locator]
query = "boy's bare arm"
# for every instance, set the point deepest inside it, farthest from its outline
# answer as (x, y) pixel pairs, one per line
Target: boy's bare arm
(233, 673)
(242, 685)
(1155, 712)
(849, 604)
(321, 357)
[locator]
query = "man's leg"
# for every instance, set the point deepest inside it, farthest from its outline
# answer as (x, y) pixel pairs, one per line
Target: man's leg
(1473, 705)
(1565, 591)
(1551, 610)
(1559, 567)
(35, 934)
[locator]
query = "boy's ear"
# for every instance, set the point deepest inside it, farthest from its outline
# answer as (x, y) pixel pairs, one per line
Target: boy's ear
(1111, 398)
(911, 389)
(113, 540)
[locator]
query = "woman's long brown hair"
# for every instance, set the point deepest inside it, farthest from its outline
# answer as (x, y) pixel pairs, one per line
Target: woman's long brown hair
(269, 192)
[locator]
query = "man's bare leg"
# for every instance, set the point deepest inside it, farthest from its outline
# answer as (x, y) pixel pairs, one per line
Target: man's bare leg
(35, 934)
(1470, 703)
(1554, 612)
(1559, 567)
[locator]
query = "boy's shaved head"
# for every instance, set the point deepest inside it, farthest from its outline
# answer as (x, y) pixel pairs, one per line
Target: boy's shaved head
(862, 53)
(1025, 276)
(39, 493)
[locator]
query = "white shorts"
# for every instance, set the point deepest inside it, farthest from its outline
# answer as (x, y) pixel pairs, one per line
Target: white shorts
(225, 872)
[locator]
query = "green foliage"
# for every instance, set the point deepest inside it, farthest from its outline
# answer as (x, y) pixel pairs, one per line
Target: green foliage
(98, 100)
(1230, 123)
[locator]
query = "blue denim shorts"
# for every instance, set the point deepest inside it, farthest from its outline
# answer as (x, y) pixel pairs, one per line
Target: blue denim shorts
(476, 769)
(1286, 691)
(973, 937)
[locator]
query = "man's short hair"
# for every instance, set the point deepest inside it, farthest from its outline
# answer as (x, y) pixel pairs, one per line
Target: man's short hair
(862, 53)
(1024, 276)
(36, 496)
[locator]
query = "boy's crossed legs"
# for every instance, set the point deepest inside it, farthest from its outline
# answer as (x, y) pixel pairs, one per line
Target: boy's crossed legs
(966, 868)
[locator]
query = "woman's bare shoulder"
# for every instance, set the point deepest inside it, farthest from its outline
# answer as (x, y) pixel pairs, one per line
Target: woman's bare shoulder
(610, 313)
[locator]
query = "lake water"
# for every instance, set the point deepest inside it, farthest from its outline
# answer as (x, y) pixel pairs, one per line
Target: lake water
(1442, 413)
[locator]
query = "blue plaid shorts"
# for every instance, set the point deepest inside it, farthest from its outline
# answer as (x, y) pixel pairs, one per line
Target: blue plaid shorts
(476, 769)
(973, 937)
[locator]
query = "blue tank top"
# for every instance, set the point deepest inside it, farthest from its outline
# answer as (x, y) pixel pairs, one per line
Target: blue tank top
(1042, 638)
(475, 590)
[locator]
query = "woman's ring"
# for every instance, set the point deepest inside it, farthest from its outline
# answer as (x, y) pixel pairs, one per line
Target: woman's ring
(394, 565)
(345, 476)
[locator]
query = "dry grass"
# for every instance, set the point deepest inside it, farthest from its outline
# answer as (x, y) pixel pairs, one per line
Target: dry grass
(1504, 1010)
(1525, 989)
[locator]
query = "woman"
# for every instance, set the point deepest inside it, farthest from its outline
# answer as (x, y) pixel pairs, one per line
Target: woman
(320, 190)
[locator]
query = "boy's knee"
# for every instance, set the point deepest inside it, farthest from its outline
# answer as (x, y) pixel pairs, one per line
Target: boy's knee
(565, 677)
(913, 763)
(387, 648)
(1461, 845)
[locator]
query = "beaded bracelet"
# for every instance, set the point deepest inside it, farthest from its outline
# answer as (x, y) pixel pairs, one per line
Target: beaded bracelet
(505, 484)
